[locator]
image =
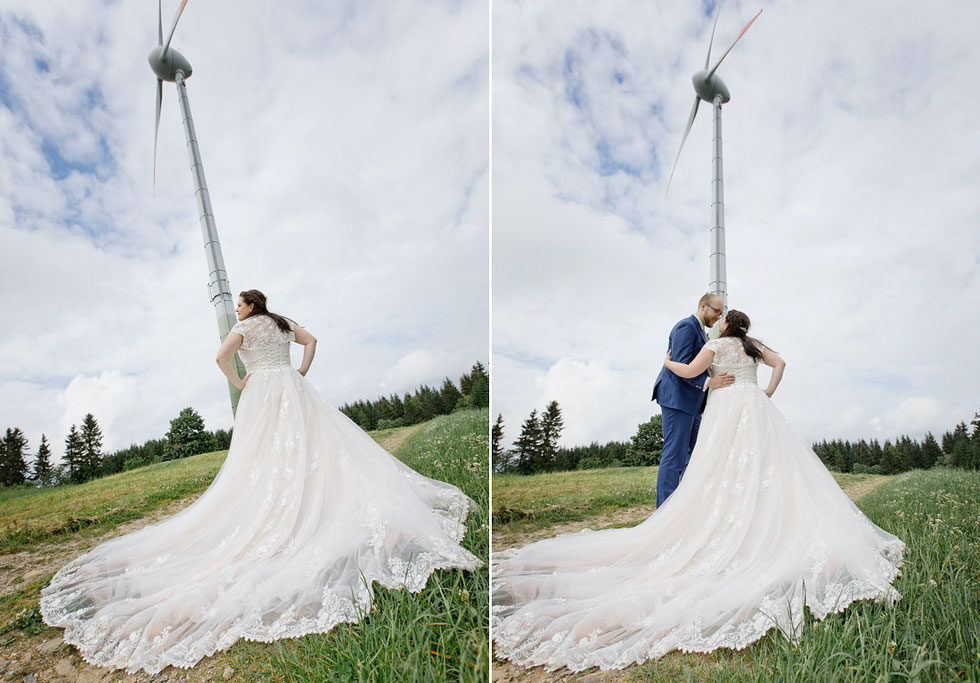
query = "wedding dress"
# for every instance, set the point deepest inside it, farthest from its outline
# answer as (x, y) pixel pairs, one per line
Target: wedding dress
(756, 529)
(304, 514)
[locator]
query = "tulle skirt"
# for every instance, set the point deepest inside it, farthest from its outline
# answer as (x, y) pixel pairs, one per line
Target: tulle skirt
(306, 512)
(756, 529)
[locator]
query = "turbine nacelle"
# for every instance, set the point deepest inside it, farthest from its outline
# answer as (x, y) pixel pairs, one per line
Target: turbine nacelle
(709, 86)
(166, 68)
(166, 63)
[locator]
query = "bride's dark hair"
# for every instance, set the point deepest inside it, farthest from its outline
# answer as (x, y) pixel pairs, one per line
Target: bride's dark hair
(257, 299)
(738, 326)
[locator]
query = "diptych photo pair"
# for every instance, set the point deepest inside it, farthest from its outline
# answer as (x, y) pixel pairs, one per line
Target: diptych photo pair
(529, 341)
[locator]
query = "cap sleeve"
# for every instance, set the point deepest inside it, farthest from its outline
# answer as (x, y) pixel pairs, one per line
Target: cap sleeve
(241, 327)
(713, 344)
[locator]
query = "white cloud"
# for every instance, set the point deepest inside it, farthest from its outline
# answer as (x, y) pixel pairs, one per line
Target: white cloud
(345, 147)
(851, 206)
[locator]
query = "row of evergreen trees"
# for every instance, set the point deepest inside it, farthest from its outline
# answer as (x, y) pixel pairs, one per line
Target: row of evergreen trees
(959, 448)
(535, 449)
(85, 460)
(537, 446)
(395, 411)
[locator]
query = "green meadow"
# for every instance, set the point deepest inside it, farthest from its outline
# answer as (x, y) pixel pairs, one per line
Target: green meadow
(439, 634)
(931, 634)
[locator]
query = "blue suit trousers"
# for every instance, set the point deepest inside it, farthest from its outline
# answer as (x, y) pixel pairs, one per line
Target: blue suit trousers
(680, 434)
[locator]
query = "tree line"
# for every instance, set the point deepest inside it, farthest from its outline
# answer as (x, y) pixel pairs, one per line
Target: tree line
(85, 459)
(535, 449)
(959, 447)
(426, 403)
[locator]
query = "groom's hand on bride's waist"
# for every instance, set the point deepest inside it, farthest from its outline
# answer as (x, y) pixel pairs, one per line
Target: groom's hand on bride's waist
(719, 381)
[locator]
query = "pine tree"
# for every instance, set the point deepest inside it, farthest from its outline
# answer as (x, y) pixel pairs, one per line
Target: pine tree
(890, 460)
(496, 440)
(397, 407)
(948, 442)
(13, 467)
(551, 426)
(42, 465)
(528, 444)
(862, 453)
(91, 447)
(931, 453)
(962, 455)
(74, 456)
(906, 454)
(449, 396)
(412, 410)
(876, 453)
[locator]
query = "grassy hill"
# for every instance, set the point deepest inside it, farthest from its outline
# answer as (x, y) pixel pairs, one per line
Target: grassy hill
(931, 634)
(438, 634)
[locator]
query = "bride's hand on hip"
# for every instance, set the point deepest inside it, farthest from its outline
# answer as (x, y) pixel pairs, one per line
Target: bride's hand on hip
(243, 382)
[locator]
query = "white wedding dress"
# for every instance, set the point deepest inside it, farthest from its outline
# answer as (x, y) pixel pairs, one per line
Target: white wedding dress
(756, 528)
(305, 512)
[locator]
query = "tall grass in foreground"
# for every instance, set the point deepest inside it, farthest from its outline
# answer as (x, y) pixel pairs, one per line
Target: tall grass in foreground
(439, 634)
(931, 634)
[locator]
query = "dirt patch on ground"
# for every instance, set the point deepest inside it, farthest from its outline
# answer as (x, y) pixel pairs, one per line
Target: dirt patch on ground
(393, 441)
(46, 657)
(506, 672)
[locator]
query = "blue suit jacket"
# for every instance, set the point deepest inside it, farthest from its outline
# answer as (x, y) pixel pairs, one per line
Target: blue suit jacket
(671, 391)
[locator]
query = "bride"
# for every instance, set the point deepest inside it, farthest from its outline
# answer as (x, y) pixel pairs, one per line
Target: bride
(756, 529)
(306, 512)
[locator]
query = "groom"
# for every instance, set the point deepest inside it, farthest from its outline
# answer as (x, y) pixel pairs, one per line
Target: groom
(682, 400)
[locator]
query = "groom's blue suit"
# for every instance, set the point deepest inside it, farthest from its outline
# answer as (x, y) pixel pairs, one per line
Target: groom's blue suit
(681, 401)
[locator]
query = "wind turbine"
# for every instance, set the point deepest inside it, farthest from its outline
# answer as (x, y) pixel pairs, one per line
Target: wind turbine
(709, 87)
(171, 66)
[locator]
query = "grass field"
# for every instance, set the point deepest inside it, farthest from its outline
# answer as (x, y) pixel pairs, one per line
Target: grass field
(438, 634)
(525, 503)
(931, 634)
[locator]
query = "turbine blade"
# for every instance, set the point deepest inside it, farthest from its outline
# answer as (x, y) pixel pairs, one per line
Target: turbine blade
(741, 33)
(156, 131)
(160, 23)
(166, 46)
(690, 122)
(711, 42)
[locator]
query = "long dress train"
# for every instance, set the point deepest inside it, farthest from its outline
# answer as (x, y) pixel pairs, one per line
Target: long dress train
(756, 529)
(304, 514)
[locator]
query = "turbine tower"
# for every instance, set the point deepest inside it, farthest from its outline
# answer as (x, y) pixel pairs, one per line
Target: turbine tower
(171, 66)
(709, 87)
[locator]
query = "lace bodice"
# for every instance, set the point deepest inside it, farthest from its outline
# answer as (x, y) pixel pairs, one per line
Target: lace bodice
(730, 357)
(265, 346)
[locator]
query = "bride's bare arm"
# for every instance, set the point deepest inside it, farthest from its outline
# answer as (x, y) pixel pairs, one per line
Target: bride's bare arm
(227, 349)
(774, 361)
(699, 364)
(309, 348)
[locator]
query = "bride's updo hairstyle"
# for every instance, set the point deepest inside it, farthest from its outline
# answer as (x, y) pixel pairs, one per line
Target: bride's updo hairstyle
(738, 326)
(257, 299)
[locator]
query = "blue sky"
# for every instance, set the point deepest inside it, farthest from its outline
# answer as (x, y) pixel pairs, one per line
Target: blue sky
(346, 153)
(850, 153)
